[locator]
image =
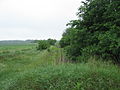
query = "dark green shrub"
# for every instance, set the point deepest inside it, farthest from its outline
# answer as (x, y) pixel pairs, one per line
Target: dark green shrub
(42, 45)
(51, 41)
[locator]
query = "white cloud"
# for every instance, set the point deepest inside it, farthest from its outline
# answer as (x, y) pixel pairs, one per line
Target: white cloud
(36, 18)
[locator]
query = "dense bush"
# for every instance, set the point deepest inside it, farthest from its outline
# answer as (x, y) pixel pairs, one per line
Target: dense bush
(42, 45)
(51, 41)
(96, 32)
(45, 44)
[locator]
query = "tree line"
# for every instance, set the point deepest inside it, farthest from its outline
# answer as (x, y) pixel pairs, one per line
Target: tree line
(96, 32)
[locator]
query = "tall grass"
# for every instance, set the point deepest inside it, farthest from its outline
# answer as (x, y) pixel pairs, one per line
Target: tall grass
(45, 70)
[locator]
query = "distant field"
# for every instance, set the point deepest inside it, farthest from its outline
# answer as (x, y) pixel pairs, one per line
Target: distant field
(22, 67)
(16, 47)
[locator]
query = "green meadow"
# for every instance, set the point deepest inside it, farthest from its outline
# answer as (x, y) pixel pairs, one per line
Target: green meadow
(22, 67)
(85, 57)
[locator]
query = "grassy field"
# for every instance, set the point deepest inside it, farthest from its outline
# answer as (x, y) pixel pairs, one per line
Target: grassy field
(22, 67)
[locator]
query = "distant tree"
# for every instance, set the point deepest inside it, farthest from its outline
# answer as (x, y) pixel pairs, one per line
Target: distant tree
(45, 44)
(51, 41)
(42, 45)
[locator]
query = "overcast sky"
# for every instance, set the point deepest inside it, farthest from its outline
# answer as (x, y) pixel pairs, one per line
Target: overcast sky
(35, 19)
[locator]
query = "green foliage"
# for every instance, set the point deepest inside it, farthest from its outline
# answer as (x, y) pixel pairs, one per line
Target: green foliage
(51, 41)
(43, 44)
(96, 32)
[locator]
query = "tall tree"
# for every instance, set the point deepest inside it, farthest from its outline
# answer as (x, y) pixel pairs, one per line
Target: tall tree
(96, 32)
